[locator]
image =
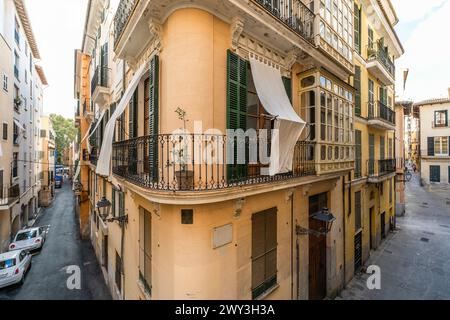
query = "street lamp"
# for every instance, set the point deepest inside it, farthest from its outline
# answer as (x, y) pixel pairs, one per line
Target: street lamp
(104, 209)
(324, 216)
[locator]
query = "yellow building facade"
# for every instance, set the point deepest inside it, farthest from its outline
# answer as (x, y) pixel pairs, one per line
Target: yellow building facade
(190, 229)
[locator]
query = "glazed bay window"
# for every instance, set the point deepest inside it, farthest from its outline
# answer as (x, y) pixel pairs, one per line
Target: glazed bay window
(327, 104)
(336, 28)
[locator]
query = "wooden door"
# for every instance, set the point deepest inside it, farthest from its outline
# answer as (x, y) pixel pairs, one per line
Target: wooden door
(370, 227)
(317, 251)
(358, 251)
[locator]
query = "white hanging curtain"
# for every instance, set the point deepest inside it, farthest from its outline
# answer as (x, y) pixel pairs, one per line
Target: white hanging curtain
(288, 125)
(77, 172)
(21, 127)
(104, 159)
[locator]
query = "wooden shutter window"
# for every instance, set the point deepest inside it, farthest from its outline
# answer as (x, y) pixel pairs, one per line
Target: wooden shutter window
(357, 211)
(236, 107)
(153, 113)
(264, 251)
(288, 86)
(5, 131)
(430, 143)
(357, 85)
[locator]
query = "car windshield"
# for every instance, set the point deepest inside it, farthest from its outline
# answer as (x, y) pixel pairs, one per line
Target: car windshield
(5, 264)
(26, 235)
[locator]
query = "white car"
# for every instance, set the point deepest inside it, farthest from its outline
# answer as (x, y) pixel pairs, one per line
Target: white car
(13, 267)
(30, 239)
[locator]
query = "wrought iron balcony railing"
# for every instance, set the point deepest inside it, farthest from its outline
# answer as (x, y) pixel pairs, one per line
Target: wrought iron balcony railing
(379, 110)
(9, 194)
(376, 52)
(294, 14)
(100, 78)
(197, 162)
(380, 167)
(123, 14)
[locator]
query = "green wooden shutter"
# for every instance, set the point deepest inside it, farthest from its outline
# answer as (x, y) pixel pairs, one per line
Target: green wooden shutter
(104, 66)
(430, 142)
(446, 119)
(357, 28)
(288, 86)
(133, 115)
(132, 133)
(236, 108)
(357, 85)
(358, 154)
(113, 200)
(153, 117)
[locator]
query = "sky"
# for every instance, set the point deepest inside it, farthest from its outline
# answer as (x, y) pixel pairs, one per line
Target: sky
(58, 28)
(424, 29)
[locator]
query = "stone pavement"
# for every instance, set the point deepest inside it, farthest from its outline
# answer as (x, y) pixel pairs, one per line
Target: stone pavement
(414, 259)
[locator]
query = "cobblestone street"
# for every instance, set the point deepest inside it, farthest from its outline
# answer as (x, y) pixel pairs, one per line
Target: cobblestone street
(414, 259)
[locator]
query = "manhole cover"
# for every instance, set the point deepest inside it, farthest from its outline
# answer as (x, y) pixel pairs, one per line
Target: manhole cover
(448, 203)
(424, 239)
(444, 226)
(430, 233)
(425, 203)
(388, 251)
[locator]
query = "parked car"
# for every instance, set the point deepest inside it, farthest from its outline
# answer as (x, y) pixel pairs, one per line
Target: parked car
(30, 239)
(13, 267)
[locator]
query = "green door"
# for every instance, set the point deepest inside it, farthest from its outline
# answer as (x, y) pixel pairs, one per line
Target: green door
(435, 173)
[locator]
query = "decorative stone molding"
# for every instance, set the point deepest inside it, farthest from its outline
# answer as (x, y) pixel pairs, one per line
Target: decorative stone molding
(157, 209)
(237, 27)
(290, 194)
(292, 57)
(156, 29)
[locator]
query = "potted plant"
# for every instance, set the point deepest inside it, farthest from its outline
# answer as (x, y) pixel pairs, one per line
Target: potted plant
(184, 176)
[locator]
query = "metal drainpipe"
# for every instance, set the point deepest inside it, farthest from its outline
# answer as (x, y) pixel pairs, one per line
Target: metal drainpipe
(298, 268)
(292, 246)
(122, 225)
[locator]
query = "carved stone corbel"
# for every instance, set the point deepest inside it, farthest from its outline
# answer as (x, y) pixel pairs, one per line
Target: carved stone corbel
(306, 189)
(156, 30)
(291, 58)
(157, 209)
(238, 207)
(237, 27)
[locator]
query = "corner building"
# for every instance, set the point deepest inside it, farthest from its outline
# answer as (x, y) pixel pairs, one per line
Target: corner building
(190, 230)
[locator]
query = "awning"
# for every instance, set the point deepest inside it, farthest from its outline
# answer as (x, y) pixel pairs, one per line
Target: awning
(104, 159)
(288, 125)
(18, 124)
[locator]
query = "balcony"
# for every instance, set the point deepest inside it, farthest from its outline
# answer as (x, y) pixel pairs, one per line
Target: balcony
(191, 162)
(380, 65)
(9, 195)
(380, 170)
(100, 86)
(381, 116)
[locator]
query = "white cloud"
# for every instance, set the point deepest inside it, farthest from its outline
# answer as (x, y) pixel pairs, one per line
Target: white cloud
(412, 10)
(427, 55)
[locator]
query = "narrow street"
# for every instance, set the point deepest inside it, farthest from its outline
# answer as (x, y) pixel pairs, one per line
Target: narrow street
(415, 259)
(63, 247)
